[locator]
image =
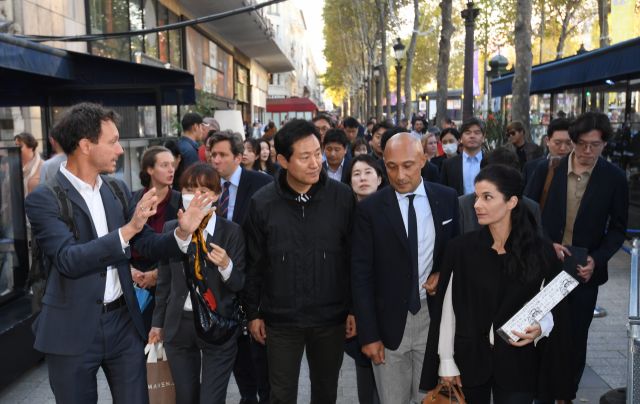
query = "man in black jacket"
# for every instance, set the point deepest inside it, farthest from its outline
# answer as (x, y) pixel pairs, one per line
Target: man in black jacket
(238, 187)
(587, 206)
(297, 291)
(558, 143)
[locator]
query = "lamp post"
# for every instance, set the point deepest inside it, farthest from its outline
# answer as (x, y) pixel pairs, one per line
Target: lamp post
(398, 48)
(376, 77)
(469, 15)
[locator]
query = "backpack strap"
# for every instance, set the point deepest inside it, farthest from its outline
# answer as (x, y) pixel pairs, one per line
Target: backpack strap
(175, 200)
(118, 191)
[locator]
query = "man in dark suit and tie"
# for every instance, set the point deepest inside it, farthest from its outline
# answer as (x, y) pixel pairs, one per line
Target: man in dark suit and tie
(587, 205)
(90, 316)
(408, 225)
(429, 172)
(335, 149)
(238, 186)
(459, 172)
(558, 143)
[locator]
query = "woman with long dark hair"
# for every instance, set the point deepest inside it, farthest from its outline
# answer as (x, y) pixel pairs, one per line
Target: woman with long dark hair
(251, 155)
(179, 162)
(486, 277)
(266, 164)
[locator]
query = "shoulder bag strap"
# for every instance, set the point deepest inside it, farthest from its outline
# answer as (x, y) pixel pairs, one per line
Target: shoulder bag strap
(554, 162)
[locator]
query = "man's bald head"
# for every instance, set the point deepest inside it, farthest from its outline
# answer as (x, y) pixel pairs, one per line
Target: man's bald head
(404, 159)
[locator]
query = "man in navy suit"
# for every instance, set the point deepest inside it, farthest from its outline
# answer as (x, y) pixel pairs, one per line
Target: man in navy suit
(407, 225)
(238, 186)
(587, 206)
(90, 316)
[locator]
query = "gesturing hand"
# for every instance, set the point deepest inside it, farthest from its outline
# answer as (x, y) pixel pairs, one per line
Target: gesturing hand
(218, 256)
(189, 221)
(144, 210)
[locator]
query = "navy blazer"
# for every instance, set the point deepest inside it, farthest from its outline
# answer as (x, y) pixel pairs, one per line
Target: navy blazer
(347, 161)
(452, 175)
(381, 262)
(250, 183)
(606, 199)
(530, 167)
(429, 172)
(69, 327)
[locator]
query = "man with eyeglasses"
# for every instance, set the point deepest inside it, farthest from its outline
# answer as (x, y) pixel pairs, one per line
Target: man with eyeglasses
(586, 205)
(525, 149)
(323, 123)
(558, 142)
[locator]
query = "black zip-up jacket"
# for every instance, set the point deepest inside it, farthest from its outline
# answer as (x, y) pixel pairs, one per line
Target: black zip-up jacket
(298, 267)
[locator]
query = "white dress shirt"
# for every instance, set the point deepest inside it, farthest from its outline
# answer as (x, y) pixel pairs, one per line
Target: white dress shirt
(233, 190)
(426, 231)
(470, 169)
(93, 199)
(448, 367)
(225, 273)
(335, 175)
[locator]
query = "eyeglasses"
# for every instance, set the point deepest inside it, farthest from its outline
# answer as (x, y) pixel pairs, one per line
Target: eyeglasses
(512, 133)
(592, 146)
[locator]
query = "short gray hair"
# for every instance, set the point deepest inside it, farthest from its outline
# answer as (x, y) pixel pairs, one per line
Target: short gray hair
(234, 139)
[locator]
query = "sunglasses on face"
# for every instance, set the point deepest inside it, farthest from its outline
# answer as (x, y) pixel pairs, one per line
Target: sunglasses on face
(512, 133)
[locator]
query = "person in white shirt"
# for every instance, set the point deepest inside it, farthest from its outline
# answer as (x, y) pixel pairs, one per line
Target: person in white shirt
(91, 317)
(219, 276)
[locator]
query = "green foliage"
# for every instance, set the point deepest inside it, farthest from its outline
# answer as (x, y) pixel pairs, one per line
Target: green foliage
(496, 132)
(204, 106)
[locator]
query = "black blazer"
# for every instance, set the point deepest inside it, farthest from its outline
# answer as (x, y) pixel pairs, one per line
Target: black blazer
(250, 182)
(437, 161)
(483, 295)
(171, 289)
(452, 174)
(429, 172)
(606, 199)
(530, 167)
(381, 262)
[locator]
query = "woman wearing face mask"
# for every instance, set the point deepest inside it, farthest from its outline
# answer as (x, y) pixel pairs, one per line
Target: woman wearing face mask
(251, 155)
(364, 175)
(157, 171)
(450, 138)
(266, 165)
(216, 259)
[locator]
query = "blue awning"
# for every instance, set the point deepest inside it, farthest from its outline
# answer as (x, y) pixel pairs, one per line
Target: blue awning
(36, 75)
(617, 62)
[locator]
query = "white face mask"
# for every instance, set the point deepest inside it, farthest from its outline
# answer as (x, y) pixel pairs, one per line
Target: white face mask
(450, 148)
(186, 201)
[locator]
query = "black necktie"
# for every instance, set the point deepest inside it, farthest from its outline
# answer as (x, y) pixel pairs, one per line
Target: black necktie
(414, 295)
(224, 200)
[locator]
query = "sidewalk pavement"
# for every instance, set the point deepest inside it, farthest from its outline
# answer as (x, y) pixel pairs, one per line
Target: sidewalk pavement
(606, 356)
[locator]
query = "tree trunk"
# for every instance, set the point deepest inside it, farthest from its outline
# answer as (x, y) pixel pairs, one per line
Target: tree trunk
(542, 23)
(603, 13)
(522, 77)
(442, 76)
(571, 9)
(408, 106)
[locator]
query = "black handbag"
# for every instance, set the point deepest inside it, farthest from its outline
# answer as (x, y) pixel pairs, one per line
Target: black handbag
(211, 327)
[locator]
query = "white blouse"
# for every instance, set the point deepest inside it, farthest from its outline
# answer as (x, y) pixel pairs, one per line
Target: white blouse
(448, 366)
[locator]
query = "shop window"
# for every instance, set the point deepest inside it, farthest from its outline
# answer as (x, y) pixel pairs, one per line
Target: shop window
(108, 16)
(150, 21)
(163, 37)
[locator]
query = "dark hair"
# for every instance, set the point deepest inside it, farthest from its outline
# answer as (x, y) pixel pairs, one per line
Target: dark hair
(320, 117)
(175, 150)
(351, 122)
(452, 131)
(515, 125)
(365, 158)
(235, 141)
(526, 259)
(558, 124)
(149, 159)
(447, 120)
(473, 121)
(271, 125)
(82, 121)
(269, 163)
(255, 146)
(382, 124)
(294, 130)
(357, 143)
(201, 175)
(589, 121)
(335, 136)
(27, 139)
(389, 133)
(404, 120)
(501, 155)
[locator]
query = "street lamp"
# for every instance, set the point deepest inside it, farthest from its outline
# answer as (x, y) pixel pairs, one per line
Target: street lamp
(398, 48)
(376, 78)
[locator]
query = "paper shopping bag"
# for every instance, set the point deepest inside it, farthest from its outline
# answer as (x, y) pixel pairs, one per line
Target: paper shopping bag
(159, 380)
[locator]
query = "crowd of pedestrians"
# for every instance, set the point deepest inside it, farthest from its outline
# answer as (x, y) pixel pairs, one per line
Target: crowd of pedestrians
(403, 246)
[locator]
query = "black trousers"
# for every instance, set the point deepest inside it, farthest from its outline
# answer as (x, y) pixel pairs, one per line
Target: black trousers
(582, 303)
(482, 394)
(119, 349)
(251, 369)
(366, 382)
(325, 351)
(188, 354)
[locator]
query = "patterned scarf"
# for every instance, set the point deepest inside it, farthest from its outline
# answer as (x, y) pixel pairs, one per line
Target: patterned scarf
(197, 252)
